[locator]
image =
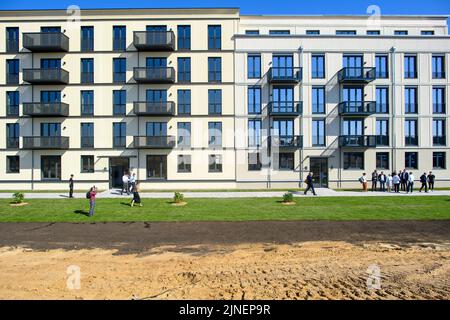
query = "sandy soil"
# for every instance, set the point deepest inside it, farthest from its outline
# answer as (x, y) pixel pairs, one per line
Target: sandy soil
(304, 270)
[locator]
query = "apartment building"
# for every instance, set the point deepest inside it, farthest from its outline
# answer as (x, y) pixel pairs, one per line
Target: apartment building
(209, 98)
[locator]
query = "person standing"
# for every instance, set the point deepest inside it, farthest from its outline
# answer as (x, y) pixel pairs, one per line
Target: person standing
(125, 180)
(133, 182)
(396, 182)
(382, 179)
(136, 196)
(389, 183)
(309, 183)
(431, 177)
(363, 181)
(92, 195)
(410, 186)
(423, 181)
(374, 180)
(71, 186)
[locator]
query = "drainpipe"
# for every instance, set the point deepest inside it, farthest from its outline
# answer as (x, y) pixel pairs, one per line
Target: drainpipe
(300, 64)
(393, 117)
(32, 128)
(138, 127)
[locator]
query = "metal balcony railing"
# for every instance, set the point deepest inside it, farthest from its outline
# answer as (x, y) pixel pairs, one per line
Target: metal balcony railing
(357, 141)
(289, 142)
(284, 75)
(43, 109)
(357, 108)
(46, 41)
(154, 74)
(154, 40)
(285, 108)
(49, 143)
(357, 75)
(154, 142)
(46, 76)
(159, 108)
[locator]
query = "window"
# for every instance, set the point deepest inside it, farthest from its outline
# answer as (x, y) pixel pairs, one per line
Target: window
(439, 160)
(352, 127)
(382, 129)
(87, 164)
(119, 102)
(286, 161)
(313, 32)
(254, 161)
(87, 70)
(353, 160)
(318, 100)
(438, 100)
(87, 39)
(12, 103)
(427, 33)
(252, 32)
(373, 32)
(51, 29)
(438, 66)
(12, 164)
(184, 37)
(119, 38)
(87, 135)
(119, 70)
(156, 129)
(411, 132)
(382, 102)
(439, 132)
(50, 96)
(214, 69)
(381, 67)
(12, 135)
(184, 102)
(214, 101)
(184, 134)
(279, 32)
(318, 133)
(156, 167)
(411, 100)
(410, 67)
(184, 69)
(12, 39)
(353, 61)
(345, 32)
(284, 130)
(254, 100)
(87, 102)
(184, 163)
(215, 134)
(401, 32)
(12, 71)
(382, 160)
(214, 37)
(51, 167)
(254, 133)
(254, 66)
(215, 163)
(119, 134)
(411, 160)
(283, 99)
(51, 129)
(318, 66)
(50, 63)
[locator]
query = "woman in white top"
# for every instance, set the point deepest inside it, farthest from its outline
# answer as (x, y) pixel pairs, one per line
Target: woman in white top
(389, 183)
(396, 183)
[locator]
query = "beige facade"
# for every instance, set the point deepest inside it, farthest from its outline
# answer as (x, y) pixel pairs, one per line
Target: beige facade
(159, 168)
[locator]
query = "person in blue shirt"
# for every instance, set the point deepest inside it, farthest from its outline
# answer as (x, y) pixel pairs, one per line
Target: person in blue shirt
(423, 181)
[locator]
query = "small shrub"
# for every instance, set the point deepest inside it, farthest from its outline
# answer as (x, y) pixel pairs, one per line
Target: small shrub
(18, 197)
(178, 197)
(288, 197)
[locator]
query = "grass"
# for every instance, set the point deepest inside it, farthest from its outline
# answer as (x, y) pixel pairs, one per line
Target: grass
(415, 189)
(235, 209)
(159, 190)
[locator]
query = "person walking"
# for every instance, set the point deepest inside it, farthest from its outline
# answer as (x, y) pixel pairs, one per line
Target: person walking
(431, 177)
(423, 181)
(309, 183)
(405, 180)
(389, 183)
(396, 182)
(133, 182)
(92, 195)
(125, 180)
(374, 180)
(71, 186)
(382, 178)
(363, 180)
(136, 196)
(410, 186)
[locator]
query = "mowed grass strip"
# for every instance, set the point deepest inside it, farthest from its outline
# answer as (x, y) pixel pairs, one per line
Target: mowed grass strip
(235, 209)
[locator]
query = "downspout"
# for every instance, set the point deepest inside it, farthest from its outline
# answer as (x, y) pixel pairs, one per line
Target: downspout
(300, 63)
(138, 126)
(32, 127)
(393, 117)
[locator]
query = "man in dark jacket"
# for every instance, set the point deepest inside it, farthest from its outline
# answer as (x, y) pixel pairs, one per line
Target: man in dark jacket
(382, 178)
(431, 177)
(374, 180)
(71, 186)
(423, 181)
(405, 178)
(309, 183)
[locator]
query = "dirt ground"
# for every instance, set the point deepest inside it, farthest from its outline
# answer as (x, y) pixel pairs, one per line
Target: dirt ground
(301, 270)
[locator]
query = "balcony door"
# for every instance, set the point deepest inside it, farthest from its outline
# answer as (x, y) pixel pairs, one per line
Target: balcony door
(50, 63)
(156, 95)
(283, 99)
(355, 64)
(353, 96)
(156, 34)
(283, 127)
(352, 127)
(50, 129)
(283, 66)
(156, 129)
(50, 29)
(156, 62)
(50, 96)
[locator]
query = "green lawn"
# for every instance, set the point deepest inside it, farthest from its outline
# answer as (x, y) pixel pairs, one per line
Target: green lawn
(331, 208)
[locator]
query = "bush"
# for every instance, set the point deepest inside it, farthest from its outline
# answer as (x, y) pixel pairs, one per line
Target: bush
(288, 197)
(18, 197)
(178, 197)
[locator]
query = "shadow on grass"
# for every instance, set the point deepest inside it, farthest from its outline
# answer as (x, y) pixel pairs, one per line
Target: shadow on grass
(82, 212)
(128, 204)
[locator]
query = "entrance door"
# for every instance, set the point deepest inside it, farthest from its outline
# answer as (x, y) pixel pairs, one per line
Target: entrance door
(319, 168)
(117, 167)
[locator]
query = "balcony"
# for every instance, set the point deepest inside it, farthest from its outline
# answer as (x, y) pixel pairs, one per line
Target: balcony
(154, 40)
(46, 76)
(284, 75)
(358, 141)
(46, 42)
(356, 75)
(287, 142)
(357, 108)
(154, 75)
(160, 108)
(48, 143)
(154, 142)
(285, 108)
(41, 109)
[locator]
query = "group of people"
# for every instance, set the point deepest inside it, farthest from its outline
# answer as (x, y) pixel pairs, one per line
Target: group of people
(396, 182)
(130, 185)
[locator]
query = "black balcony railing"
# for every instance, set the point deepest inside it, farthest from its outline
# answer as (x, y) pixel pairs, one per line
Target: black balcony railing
(356, 74)
(411, 141)
(12, 143)
(46, 41)
(49, 143)
(46, 76)
(154, 40)
(42, 109)
(357, 108)
(87, 142)
(439, 141)
(284, 75)
(285, 108)
(159, 108)
(289, 142)
(154, 142)
(154, 74)
(119, 142)
(357, 141)
(382, 140)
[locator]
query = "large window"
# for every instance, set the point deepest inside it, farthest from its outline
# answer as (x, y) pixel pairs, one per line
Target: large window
(214, 37)
(184, 102)
(411, 105)
(119, 134)
(12, 164)
(87, 102)
(184, 37)
(254, 100)
(254, 66)
(411, 160)
(87, 39)
(286, 161)
(87, 70)
(87, 164)
(184, 163)
(156, 166)
(12, 135)
(12, 103)
(214, 101)
(410, 66)
(381, 67)
(50, 129)
(214, 69)
(119, 70)
(318, 100)
(283, 99)
(439, 160)
(215, 163)
(318, 132)
(382, 130)
(318, 66)
(12, 39)
(184, 134)
(439, 138)
(439, 100)
(156, 129)
(438, 66)
(51, 167)
(214, 134)
(353, 160)
(12, 71)
(411, 138)
(254, 133)
(119, 38)
(184, 69)
(382, 102)
(254, 161)
(87, 135)
(119, 102)
(382, 160)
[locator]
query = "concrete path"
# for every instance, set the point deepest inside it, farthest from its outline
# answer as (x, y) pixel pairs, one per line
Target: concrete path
(323, 192)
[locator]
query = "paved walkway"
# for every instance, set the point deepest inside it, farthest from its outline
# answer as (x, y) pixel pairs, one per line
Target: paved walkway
(242, 194)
